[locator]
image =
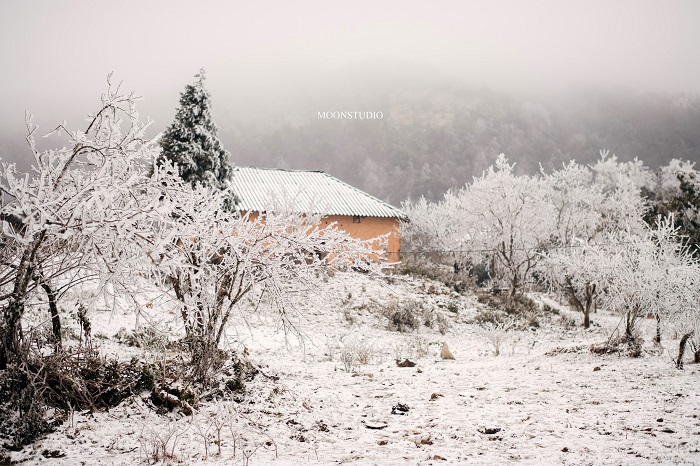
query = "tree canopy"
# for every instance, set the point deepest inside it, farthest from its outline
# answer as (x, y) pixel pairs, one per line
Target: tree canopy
(191, 142)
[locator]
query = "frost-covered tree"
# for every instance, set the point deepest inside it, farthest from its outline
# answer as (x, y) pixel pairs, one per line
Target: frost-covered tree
(191, 142)
(611, 173)
(436, 228)
(632, 274)
(86, 212)
(576, 202)
(500, 219)
(652, 274)
(589, 204)
(623, 185)
(217, 259)
(579, 272)
(508, 222)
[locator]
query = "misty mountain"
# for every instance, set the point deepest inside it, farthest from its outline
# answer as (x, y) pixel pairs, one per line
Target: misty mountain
(436, 137)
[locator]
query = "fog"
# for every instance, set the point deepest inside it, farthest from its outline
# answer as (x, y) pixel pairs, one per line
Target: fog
(283, 62)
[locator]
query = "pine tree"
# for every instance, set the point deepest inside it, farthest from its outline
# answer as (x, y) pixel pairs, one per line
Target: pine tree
(191, 141)
(684, 205)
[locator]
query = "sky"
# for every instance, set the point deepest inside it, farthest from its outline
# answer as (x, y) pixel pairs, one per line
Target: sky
(267, 55)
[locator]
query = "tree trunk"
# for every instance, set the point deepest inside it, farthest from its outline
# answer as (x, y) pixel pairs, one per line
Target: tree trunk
(184, 312)
(55, 318)
(681, 349)
(629, 327)
(10, 333)
(590, 296)
(657, 338)
(11, 328)
(585, 307)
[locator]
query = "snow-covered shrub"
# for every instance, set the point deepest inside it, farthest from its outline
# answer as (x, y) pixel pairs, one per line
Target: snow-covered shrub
(489, 316)
(404, 316)
(144, 337)
(215, 260)
(365, 351)
(331, 347)
(501, 308)
(496, 334)
(410, 315)
(349, 359)
(420, 346)
(160, 446)
(416, 347)
(357, 352)
(22, 409)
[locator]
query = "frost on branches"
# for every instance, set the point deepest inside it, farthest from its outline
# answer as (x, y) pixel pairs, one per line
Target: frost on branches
(654, 274)
(216, 259)
(191, 141)
(98, 211)
(578, 230)
(589, 205)
(500, 219)
(678, 194)
(85, 212)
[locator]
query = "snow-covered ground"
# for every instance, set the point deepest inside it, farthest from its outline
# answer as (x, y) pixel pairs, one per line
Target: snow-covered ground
(544, 400)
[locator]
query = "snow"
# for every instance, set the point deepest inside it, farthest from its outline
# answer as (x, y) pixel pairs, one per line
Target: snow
(546, 399)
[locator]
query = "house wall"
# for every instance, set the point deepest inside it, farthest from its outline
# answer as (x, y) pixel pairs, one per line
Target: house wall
(371, 227)
(367, 228)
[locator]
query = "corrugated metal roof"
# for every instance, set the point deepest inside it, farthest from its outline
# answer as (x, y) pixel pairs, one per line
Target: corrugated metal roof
(259, 189)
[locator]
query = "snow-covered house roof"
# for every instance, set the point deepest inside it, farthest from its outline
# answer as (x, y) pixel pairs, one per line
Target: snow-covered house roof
(308, 191)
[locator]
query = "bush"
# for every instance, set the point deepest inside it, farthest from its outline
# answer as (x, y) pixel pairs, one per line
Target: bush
(404, 317)
(65, 381)
(523, 312)
(145, 337)
(467, 277)
(357, 352)
(22, 410)
(620, 343)
(496, 334)
(488, 316)
(236, 371)
(408, 316)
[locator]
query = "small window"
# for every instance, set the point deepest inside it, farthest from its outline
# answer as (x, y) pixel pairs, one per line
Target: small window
(355, 219)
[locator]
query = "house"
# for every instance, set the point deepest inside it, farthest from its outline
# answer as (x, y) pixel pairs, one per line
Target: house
(354, 211)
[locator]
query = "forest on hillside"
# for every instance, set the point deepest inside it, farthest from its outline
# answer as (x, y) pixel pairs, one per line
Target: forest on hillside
(439, 137)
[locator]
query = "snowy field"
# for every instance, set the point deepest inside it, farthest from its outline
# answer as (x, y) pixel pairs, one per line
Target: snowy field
(337, 396)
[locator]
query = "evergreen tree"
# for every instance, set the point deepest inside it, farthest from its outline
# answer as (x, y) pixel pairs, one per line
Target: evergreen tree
(683, 205)
(191, 141)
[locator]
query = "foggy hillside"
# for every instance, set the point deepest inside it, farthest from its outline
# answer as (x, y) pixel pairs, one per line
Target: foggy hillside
(437, 131)
(438, 136)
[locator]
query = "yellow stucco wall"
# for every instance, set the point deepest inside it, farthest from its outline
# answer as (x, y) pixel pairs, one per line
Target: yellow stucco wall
(367, 228)
(371, 227)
